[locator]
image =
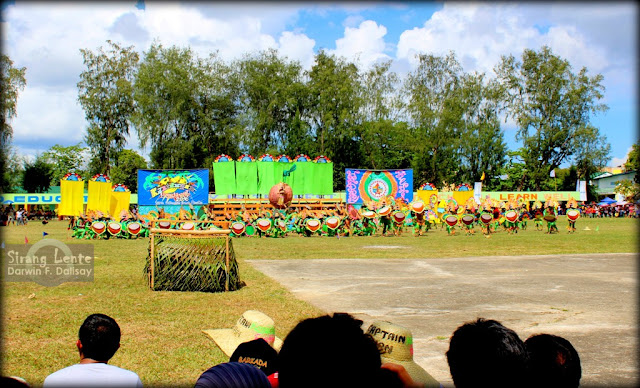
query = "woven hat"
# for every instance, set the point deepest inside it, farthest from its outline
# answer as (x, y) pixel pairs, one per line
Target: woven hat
(251, 325)
(395, 344)
(257, 353)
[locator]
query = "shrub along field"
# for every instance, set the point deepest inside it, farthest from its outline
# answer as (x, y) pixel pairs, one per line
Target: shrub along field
(162, 337)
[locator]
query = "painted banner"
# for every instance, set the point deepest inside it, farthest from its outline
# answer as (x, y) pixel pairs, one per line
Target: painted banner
(373, 185)
(173, 187)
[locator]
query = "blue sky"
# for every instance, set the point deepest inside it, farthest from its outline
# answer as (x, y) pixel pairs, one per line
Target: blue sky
(46, 39)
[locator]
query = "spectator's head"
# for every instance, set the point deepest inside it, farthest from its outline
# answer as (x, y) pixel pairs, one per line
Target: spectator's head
(329, 351)
(233, 375)
(99, 337)
(257, 353)
(553, 361)
(485, 353)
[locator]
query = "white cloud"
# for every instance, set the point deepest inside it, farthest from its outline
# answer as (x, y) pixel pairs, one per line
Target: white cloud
(297, 47)
(363, 44)
(48, 117)
(478, 34)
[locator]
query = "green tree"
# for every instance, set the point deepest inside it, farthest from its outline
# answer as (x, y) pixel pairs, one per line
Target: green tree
(187, 107)
(333, 112)
(513, 175)
(592, 153)
(37, 176)
(126, 168)
(13, 81)
(272, 92)
(631, 190)
(14, 170)
(482, 146)
(552, 107)
(633, 161)
(64, 160)
(383, 139)
(105, 92)
(567, 178)
(435, 117)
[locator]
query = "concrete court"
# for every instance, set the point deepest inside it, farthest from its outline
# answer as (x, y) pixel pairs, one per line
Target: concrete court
(590, 299)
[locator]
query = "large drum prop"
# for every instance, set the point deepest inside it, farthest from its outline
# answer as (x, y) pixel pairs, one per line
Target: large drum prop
(280, 195)
(332, 222)
(468, 219)
(264, 224)
(511, 216)
(398, 217)
(114, 228)
(313, 224)
(98, 227)
(573, 214)
(238, 228)
(385, 210)
(134, 228)
(451, 220)
(486, 218)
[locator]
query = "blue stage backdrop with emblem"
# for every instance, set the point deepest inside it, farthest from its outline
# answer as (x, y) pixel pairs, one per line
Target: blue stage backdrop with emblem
(373, 185)
(173, 187)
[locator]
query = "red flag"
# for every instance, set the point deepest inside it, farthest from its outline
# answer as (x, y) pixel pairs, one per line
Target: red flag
(26, 240)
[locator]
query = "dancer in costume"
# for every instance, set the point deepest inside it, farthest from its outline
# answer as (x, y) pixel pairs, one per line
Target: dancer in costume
(469, 216)
(385, 218)
(523, 216)
(511, 218)
(551, 216)
(450, 218)
(538, 215)
(573, 213)
(486, 216)
(418, 216)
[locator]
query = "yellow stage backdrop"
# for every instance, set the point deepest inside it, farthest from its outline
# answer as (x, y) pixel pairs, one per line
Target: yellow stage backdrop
(120, 201)
(71, 198)
(461, 197)
(99, 196)
(425, 195)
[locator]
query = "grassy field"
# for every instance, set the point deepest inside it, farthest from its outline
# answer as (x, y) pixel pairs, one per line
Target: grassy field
(162, 339)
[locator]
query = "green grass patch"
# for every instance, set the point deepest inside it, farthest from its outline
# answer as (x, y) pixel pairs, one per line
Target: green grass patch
(161, 331)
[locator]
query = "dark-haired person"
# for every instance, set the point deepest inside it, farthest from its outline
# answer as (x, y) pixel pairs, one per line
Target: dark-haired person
(333, 351)
(98, 341)
(553, 362)
(484, 353)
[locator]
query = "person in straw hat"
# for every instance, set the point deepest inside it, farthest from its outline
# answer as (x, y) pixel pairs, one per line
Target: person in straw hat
(395, 344)
(251, 325)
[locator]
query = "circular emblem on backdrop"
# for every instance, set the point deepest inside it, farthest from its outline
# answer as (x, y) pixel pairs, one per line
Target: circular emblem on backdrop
(375, 186)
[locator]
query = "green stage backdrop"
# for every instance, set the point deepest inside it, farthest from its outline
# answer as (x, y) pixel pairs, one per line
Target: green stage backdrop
(224, 177)
(252, 178)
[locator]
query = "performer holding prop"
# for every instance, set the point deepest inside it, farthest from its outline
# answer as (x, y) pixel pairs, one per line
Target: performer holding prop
(551, 215)
(418, 217)
(538, 215)
(573, 213)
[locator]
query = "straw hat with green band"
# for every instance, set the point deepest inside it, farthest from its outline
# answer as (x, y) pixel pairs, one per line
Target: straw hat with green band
(395, 344)
(251, 325)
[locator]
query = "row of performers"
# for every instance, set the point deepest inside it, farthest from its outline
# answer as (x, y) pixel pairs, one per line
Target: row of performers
(387, 217)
